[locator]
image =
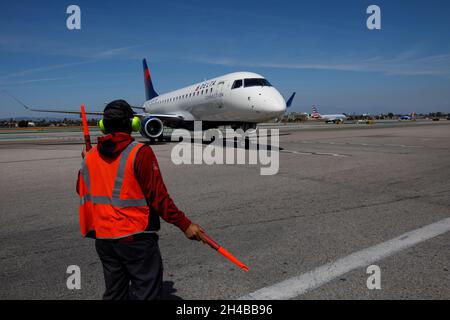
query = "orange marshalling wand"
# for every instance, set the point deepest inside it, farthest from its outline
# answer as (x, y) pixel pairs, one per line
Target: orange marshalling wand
(223, 251)
(87, 137)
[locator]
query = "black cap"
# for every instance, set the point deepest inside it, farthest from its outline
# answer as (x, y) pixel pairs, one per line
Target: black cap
(118, 110)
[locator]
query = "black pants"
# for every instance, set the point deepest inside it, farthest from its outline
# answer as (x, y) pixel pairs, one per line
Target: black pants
(133, 270)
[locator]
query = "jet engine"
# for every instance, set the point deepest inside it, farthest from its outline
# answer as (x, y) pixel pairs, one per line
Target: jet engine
(152, 128)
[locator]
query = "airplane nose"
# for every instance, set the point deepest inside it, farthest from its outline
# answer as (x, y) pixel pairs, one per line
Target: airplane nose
(279, 106)
(276, 105)
(270, 103)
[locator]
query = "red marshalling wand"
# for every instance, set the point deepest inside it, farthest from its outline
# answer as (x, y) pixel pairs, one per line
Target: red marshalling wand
(87, 137)
(223, 251)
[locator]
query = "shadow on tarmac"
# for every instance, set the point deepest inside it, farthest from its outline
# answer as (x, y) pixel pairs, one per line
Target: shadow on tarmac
(169, 291)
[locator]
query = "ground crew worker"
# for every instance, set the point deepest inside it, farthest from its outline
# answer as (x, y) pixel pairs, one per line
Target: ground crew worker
(122, 197)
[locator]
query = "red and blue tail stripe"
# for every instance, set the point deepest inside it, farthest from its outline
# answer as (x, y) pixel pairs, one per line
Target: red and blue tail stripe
(315, 113)
(150, 92)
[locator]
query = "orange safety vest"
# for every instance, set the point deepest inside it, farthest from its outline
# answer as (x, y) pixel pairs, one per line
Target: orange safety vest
(112, 204)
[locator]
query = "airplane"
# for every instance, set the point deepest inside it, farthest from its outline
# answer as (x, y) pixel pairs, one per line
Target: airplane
(412, 116)
(239, 99)
(335, 118)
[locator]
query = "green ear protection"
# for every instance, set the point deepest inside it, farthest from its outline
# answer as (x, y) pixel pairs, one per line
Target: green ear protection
(102, 126)
(135, 125)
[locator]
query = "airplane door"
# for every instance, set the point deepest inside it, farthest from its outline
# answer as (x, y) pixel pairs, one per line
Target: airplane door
(219, 94)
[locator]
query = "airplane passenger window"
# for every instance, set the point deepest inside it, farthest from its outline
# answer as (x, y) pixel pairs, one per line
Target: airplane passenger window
(237, 84)
(256, 83)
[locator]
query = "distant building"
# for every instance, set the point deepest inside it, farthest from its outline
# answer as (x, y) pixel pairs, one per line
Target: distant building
(294, 117)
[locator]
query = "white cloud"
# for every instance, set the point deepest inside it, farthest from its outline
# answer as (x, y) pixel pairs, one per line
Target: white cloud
(405, 63)
(94, 57)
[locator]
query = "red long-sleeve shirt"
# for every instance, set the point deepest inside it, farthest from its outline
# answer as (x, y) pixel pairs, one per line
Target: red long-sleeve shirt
(146, 170)
(147, 173)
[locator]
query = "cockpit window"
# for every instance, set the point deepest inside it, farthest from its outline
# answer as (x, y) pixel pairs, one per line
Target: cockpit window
(256, 82)
(237, 84)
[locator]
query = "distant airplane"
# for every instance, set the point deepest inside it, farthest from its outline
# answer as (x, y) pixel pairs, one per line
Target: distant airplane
(412, 116)
(335, 118)
(240, 100)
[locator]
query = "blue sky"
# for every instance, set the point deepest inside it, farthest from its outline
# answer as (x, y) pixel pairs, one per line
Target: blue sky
(321, 49)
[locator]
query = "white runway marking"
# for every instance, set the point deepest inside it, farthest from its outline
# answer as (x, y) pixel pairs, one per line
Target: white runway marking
(314, 153)
(296, 286)
(361, 144)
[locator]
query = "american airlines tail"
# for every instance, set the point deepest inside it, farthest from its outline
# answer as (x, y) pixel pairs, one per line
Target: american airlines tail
(315, 113)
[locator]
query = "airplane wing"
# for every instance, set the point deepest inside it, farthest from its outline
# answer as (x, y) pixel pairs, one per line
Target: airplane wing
(170, 118)
(160, 116)
(98, 113)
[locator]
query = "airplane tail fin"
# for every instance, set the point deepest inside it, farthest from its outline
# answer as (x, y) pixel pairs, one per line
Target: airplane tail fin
(315, 113)
(150, 92)
(289, 102)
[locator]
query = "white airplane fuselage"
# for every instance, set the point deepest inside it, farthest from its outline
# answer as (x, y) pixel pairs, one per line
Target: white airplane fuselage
(333, 117)
(222, 99)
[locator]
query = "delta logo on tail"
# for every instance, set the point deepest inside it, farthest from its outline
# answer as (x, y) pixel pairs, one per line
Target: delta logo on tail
(150, 92)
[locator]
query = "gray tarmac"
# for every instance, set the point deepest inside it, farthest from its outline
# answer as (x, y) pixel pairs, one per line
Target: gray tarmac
(339, 189)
